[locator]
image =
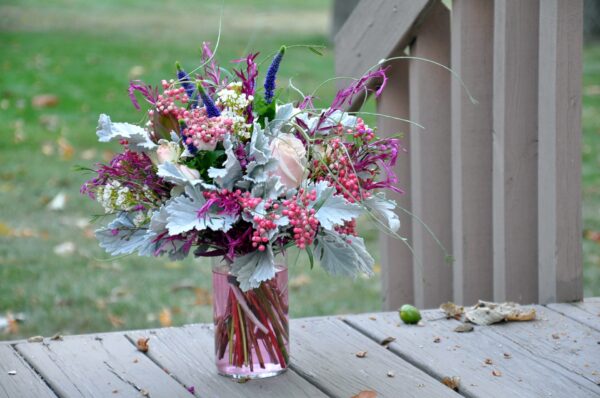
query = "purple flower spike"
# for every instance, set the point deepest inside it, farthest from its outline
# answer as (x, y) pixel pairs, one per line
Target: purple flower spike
(187, 84)
(211, 108)
(272, 74)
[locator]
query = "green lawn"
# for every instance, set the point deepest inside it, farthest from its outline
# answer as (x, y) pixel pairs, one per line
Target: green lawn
(85, 52)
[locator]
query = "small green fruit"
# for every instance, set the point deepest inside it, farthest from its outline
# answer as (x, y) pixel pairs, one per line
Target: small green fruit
(409, 314)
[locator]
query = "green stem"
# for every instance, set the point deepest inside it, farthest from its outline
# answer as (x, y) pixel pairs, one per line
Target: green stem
(244, 342)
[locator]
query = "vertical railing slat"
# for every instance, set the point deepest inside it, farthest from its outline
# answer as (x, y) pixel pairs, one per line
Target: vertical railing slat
(396, 258)
(472, 60)
(430, 158)
(515, 150)
(560, 69)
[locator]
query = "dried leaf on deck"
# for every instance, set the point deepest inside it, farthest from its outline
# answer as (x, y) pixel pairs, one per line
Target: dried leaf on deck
(366, 394)
(361, 354)
(496, 373)
(387, 341)
(142, 344)
(452, 382)
(464, 328)
(452, 310)
(35, 339)
(487, 313)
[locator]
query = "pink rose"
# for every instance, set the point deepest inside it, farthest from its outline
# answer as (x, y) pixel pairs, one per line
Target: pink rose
(190, 174)
(291, 154)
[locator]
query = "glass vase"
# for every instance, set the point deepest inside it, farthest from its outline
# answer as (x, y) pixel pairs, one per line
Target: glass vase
(251, 328)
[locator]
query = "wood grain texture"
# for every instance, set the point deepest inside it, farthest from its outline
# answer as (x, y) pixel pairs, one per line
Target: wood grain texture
(325, 353)
(441, 352)
(586, 312)
(515, 150)
(24, 382)
(396, 257)
(430, 167)
(560, 70)
(557, 339)
(472, 59)
(107, 366)
(188, 354)
(359, 44)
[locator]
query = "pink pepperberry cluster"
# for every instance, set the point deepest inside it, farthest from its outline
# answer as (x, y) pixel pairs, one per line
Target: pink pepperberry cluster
(203, 132)
(362, 131)
(348, 228)
(302, 219)
(260, 236)
(166, 103)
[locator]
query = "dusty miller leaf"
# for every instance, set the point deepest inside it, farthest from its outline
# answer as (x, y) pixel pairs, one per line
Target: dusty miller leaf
(138, 138)
(121, 236)
(182, 214)
(231, 171)
(343, 255)
(333, 209)
(254, 268)
(385, 208)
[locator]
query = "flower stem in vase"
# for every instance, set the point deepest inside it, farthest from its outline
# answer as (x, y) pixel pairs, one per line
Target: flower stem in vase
(251, 326)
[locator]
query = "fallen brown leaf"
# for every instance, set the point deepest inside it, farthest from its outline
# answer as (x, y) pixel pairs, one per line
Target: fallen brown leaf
(464, 328)
(366, 394)
(142, 344)
(65, 149)
(488, 361)
(452, 310)
(165, 318)
(387, 340)
(507, 355)
(203, 297)
(44, 101)
(524, 315)
(299, 281)
(57, 337)
(452, 382)
(496, 373)
(115, 321)
(35, 339)
(437, 340)
(361, 354)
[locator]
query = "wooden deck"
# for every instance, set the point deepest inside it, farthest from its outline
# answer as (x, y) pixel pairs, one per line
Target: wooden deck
(557, 355)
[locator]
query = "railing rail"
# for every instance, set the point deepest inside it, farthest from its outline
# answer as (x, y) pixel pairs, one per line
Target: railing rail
(498, 182)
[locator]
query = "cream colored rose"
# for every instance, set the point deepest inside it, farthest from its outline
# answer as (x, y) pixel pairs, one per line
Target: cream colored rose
(190, 174)
(291, 155)
(167, 151)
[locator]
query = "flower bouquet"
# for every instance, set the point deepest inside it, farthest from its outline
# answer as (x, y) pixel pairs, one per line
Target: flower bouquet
(222, 168)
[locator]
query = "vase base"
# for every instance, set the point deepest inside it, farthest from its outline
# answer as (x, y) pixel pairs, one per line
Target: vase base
(252, 375)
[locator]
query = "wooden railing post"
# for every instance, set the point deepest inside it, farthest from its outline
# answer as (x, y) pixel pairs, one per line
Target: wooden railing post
(396, 258)
(515, 150)
(560, 69)
(431, 187)
(472, 60)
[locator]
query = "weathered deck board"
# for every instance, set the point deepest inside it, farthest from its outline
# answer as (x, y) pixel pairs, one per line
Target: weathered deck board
(24, 382)
(187, 354)
(324, 351)
(557, 355)
(558, 339)
(107, 366)
(586, 312)
(465, 354)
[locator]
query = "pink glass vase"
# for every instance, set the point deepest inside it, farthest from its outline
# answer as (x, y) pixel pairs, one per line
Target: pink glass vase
(251, 328)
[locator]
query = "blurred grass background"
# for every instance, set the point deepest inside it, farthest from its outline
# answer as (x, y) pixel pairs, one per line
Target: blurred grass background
(64, 62)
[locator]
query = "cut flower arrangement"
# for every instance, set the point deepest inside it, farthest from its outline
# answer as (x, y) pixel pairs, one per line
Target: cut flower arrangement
(222, 168)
